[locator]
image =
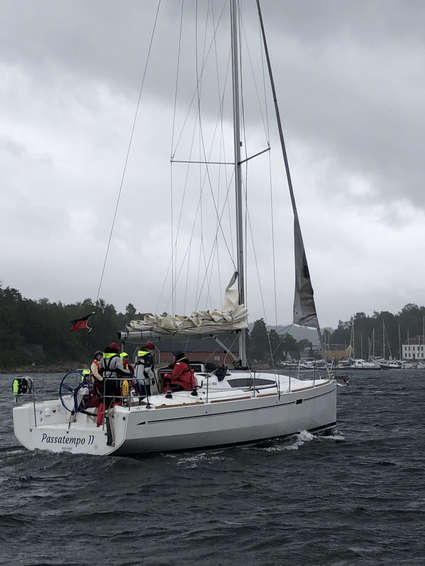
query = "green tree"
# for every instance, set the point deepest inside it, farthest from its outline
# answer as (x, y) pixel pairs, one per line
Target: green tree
(130, 312)
(258, 345)
(290, 347)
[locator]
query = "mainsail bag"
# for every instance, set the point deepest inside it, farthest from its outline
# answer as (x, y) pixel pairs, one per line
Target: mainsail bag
(232, 317)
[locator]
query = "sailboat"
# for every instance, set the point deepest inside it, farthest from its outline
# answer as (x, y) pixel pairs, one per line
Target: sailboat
(225, 408)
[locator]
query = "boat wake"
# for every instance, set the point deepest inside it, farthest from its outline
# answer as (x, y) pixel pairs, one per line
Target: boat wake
(336, 435)
(200, 458)
(292, 443)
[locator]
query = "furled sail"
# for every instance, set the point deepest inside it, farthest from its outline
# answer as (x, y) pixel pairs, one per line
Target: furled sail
(304, 306)
(232, 317)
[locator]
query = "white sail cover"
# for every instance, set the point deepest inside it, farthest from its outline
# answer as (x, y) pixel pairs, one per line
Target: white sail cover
(232, 317)
(304, 306)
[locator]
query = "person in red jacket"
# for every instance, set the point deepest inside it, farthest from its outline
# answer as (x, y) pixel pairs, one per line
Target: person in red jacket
(182, 378)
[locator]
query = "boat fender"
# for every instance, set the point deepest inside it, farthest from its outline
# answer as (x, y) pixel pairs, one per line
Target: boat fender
(15, 386)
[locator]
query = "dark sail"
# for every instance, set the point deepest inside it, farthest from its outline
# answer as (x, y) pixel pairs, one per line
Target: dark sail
(304, 307)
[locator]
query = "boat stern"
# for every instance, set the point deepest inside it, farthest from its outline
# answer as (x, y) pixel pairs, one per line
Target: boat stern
(48, 426)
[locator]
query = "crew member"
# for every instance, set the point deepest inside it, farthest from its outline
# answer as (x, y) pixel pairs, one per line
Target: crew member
(96, 373)
(145, 370)
(113, 371)
(126, 384)
(85, 376)
(125, 362)
(182, 378)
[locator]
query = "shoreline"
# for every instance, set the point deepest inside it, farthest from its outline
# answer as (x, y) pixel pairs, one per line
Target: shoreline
(61, 367)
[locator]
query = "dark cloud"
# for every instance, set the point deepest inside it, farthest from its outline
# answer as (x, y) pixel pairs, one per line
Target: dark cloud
(350, 83)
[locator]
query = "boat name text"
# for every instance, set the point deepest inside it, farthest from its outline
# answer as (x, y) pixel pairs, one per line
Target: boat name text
(66, 439)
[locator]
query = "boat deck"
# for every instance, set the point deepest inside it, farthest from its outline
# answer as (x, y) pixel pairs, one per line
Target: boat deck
(214, 391)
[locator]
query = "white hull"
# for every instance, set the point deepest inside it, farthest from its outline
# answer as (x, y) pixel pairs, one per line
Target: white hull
(184, 422)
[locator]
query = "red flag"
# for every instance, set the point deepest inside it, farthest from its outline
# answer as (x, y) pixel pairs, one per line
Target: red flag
(81, 323)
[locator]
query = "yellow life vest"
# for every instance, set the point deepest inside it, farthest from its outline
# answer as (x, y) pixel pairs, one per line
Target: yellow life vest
(125, 388)
(108, 355)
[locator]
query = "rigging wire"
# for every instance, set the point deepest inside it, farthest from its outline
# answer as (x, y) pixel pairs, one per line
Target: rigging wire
(187, 176)
(273, 239)
(173, 298)
(199, 76)
(198, 118)
(176, 232)
(177, 77)
(266, 108)
(245, 149)
(247, 217)
(215, 239)
(130, 143)
(196, 217)
(173, 274)
(220, 105)
(194, 90)
(207, 169)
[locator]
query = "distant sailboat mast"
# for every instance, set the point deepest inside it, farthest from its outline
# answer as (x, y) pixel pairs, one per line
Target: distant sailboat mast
(383, 339)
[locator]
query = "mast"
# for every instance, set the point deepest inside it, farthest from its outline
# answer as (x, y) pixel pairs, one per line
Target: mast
(238, 176)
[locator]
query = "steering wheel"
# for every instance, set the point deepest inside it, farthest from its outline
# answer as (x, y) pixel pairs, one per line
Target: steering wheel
(71, 384)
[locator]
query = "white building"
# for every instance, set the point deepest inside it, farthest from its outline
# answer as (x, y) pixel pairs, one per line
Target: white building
(413, 351)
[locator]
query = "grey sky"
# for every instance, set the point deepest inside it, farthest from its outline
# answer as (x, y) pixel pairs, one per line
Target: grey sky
(350, 78)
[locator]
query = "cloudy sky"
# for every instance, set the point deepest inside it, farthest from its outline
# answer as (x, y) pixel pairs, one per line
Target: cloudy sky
(351, 84)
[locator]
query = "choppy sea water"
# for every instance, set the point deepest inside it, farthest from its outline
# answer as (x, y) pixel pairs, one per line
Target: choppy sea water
(356, 497)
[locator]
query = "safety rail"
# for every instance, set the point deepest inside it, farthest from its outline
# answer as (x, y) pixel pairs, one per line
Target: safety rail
(24, 387)
(131, 399)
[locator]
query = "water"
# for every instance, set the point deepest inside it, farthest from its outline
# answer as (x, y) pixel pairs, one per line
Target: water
(357, 497)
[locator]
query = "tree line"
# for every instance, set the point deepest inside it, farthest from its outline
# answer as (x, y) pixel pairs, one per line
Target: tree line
(379, 335)
(38, 331)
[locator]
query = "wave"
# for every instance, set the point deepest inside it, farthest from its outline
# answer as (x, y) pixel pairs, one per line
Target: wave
(14, 449)
(292, 443)
(194, 460)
